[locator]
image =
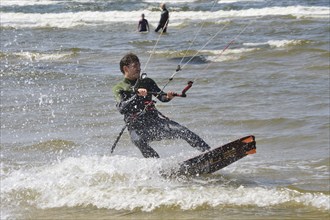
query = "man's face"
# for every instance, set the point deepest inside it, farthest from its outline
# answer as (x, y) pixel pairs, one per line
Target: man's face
(132, 71)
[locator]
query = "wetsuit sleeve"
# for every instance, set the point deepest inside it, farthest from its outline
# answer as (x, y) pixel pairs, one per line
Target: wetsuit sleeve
(125, 100)
(125, 106)
(158, 93)
(163, 97)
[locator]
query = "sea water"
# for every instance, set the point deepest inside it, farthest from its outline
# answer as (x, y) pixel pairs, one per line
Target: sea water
(259, 67)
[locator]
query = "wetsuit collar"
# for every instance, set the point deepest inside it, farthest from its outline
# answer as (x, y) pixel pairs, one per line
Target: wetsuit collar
(131, 82)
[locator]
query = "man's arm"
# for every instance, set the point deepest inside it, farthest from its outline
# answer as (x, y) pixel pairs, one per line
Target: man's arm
(158, 93)
(126, 106)
(125, 99)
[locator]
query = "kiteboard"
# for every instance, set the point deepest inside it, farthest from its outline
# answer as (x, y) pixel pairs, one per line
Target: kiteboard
(218, 158)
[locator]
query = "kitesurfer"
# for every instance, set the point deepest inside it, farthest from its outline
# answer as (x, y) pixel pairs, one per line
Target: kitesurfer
(145, 123)
(164, 18)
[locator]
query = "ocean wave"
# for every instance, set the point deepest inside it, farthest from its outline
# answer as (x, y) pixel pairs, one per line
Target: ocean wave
(279, 43)
(88, 18)
(51, 2)
(123, 183)
(229, 54)
(38, 56)
(204, 56)
(236, 1)
(27, 2)
(55, 145)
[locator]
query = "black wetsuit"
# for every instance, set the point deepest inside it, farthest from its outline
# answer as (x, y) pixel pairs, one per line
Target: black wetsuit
(163, 22)
(145, 123)
(143, 25)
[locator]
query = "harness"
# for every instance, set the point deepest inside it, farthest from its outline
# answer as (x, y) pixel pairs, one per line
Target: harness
(149, 105)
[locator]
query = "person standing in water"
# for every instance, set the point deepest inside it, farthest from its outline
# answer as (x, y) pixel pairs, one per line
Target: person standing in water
(164, 19)
(143, 25)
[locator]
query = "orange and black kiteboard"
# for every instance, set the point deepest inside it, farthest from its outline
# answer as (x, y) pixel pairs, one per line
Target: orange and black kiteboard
(218, 158)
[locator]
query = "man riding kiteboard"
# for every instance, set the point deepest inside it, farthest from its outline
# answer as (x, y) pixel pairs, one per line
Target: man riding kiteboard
(145, 123)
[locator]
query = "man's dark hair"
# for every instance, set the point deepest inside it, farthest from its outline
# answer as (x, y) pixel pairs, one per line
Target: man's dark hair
(127, 60)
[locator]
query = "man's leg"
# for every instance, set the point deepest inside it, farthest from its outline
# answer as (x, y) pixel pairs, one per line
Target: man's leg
(158, 27)
(172, 129)
(142, 144)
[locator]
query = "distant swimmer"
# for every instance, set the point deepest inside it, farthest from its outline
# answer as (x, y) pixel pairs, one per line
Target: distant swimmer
(143, 25)
(164, 18)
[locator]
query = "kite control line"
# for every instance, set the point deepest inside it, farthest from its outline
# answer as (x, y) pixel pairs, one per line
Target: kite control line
(118, 137)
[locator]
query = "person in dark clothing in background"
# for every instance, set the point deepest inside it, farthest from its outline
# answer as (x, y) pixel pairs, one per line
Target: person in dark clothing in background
(143, 25)
(144, 122)
(164, 19)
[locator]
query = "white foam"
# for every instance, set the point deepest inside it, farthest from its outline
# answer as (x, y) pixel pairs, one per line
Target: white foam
(124, 183)
(276, 43)
(85, 18)
(228, 54)
(49, 2)
(35, 56)
(283, 43)
(27, 2)
(168, 2)
(235, 1)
